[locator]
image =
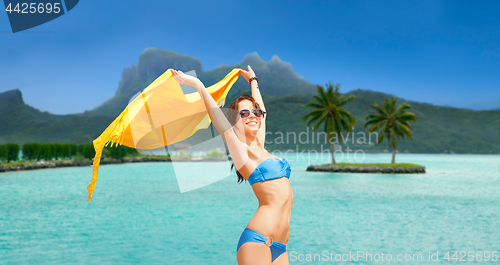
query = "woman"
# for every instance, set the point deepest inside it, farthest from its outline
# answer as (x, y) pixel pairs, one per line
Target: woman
(264, 239)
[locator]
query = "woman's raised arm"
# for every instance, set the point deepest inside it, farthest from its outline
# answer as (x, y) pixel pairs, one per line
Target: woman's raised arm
(261, 134)
(237, 149)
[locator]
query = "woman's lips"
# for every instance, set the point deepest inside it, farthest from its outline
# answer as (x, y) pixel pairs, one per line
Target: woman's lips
(252, 123)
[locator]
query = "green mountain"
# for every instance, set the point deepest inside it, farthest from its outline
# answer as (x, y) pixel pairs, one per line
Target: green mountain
(438, 129)
(21, 123)
(277, 77)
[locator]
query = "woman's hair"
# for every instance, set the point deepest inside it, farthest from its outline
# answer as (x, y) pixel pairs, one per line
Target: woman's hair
(232, 114)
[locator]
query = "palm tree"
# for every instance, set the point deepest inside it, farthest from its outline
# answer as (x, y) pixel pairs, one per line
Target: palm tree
(394, 123)
(329, 111)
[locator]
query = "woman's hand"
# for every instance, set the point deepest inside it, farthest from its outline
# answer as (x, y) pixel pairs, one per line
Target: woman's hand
(248, 74)
(185, 79)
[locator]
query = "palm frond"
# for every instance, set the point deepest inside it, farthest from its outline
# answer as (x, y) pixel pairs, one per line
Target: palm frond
(343, 100)
(374, 116)
(350, 117)
(402, 107)
(375, 126)
(312, 114)
(389, 104)
(380, 138)
(321, 120)
(319, 99)
(315, 118)
(406, 131)
(406, 116)
(322, 95)
(380, 110)
(375, 119)
(314, 105)
(407, 124)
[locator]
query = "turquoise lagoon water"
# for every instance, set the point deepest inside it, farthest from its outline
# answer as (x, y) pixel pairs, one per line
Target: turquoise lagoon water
(138, 214)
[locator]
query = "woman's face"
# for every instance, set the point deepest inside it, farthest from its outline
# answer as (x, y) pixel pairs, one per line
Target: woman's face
(251, 123)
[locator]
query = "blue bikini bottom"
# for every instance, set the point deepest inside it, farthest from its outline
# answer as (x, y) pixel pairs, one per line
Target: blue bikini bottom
(251, 236)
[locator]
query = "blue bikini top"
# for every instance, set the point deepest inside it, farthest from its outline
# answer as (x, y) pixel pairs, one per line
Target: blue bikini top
(271, 168)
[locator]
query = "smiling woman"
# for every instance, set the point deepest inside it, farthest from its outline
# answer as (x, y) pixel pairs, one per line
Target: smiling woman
(246, 102)
(264, 240)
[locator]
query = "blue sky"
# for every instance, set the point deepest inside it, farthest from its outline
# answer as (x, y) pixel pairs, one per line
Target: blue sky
(440, 52)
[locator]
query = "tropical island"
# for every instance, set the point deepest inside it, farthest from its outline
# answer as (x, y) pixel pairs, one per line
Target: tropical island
(400, 168)
(390, 122)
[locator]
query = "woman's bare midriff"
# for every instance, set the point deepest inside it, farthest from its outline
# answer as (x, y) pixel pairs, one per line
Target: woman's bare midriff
(272, 218)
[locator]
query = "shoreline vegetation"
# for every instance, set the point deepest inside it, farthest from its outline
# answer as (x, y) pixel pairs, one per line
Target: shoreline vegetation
(388, 168)
(55, 155)
(339, 167)
(33, 165)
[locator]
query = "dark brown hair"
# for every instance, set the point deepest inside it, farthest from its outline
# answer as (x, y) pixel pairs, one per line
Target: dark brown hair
(232, 114)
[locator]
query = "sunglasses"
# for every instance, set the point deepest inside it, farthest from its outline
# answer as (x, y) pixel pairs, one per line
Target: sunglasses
(245, 113)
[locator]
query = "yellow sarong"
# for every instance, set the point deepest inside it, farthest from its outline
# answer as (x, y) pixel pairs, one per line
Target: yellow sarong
(161, 115)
